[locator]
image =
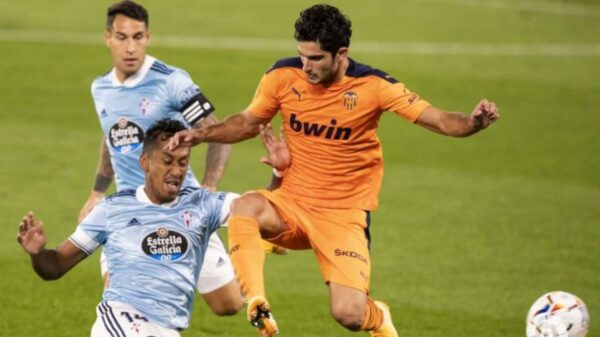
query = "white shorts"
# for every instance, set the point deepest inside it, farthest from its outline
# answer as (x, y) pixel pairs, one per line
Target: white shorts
(116, 319)
(216, 271)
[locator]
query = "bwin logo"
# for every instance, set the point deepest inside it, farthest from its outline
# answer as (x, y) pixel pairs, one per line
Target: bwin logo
(313, 129)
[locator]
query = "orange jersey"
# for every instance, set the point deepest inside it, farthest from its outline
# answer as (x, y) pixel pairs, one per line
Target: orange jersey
(331, 131)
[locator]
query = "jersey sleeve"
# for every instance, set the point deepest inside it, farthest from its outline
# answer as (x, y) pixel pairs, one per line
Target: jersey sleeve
(396, 97)
(187, 98)
(265, 103)
(92, 231)
(220, 204)
(97, 104)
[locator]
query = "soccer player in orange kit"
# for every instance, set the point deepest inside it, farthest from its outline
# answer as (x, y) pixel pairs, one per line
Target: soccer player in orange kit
(330, 106)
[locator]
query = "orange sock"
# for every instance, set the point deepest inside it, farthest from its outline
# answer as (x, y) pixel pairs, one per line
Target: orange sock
(247, 254)
(373, 316)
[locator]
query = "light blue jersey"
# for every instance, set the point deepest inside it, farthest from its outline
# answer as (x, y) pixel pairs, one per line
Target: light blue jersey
(126, 110)
(155, 252)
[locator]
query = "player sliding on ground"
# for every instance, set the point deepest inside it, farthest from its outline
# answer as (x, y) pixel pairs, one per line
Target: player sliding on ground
(155, 238)
(330, 106)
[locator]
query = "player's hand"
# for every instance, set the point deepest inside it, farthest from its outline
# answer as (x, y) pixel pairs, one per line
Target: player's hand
(185, 138)
(278, 154)
(94, 199)
(31, 234)
(484, 114)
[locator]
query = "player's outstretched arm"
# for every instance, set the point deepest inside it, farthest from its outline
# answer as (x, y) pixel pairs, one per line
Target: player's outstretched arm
(48, 264)
(458, 124)
(217, 156)
(232, 129)
(104, 177)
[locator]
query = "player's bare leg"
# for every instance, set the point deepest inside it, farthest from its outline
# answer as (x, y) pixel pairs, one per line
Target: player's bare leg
(225, 301)
(253, 217)
(354, 310)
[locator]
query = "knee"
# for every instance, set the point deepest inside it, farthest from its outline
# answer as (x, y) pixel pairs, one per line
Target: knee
(250, 205)
(349, 316)
(225, 301)
(228, 308)
(259, 208)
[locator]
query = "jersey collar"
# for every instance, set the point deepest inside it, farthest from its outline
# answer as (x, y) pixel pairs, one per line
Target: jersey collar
(136, 78)
(141, 196)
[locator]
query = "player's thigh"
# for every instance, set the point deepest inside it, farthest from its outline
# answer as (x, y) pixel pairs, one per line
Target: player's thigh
(256, 205)
(291, 217)
(226, 300)
(341, 244)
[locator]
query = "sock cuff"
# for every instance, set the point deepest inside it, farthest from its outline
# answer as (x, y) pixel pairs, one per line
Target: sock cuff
(373, 316)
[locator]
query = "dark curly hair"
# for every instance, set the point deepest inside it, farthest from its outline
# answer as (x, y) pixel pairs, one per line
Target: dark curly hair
(128, 8)
(160, 132)
(324, 24)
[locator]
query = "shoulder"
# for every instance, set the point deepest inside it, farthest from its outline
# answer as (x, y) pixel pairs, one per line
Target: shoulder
(356, 69)
(162, 68)
(159, 68)
(176, 78)
(286, 63)
(201, 195)
(100, 81)
(191, 190)
(122, 195)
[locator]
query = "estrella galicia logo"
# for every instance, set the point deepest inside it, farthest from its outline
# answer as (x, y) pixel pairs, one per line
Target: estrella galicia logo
(165, 245)
(125, 136)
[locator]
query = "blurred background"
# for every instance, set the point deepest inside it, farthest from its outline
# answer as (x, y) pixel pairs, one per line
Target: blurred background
(469, 231)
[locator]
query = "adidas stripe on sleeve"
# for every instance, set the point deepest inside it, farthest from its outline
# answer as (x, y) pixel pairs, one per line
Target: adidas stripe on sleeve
(92, 231)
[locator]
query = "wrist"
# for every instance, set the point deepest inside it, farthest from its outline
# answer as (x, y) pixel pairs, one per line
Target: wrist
(96, 194)
(473, 124)
(36, 254)
(201, 135)
(279, 174)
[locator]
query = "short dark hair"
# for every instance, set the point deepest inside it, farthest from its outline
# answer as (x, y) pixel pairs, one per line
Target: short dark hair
(128, 8)
(161, 131)
(324, 24)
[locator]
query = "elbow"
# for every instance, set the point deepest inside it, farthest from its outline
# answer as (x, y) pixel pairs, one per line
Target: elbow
(49, 277)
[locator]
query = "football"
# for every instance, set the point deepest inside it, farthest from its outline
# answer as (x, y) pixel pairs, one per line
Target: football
(558, 314)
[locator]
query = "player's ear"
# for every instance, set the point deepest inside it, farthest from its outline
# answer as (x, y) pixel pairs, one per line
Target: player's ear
(144, 162)
(342, 53)
(107, 38)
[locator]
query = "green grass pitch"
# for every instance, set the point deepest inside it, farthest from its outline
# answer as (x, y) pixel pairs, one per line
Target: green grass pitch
(469, 232)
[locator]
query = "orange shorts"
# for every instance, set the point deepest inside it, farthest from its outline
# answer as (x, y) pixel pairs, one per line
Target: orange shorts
(339, 238)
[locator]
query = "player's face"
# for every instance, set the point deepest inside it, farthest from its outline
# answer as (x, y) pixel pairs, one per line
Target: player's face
(165, 172)
(320, 66)
(127, 40)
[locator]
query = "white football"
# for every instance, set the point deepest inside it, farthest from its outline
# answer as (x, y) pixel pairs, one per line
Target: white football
(558, 314)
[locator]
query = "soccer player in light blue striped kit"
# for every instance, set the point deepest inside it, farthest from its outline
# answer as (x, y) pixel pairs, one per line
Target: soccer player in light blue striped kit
(137, 92)
(154, 237)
